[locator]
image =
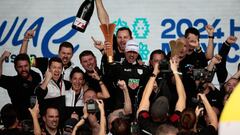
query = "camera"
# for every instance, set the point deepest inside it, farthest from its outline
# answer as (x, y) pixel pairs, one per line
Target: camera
(199, 103)
(164, 66)
(202, 74)
(92, 106)
(199, 74)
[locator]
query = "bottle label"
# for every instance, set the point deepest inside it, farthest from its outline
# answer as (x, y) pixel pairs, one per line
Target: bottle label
(79, 22)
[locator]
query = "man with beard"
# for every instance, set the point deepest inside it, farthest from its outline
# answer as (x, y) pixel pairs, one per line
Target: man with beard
(65, 52)
(134, 74)
(93, 76)
(21, 86)
(119, 44)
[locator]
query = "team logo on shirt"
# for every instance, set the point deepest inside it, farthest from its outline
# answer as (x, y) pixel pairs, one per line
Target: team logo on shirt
(127, 69)
(133, 83)
(140, 71)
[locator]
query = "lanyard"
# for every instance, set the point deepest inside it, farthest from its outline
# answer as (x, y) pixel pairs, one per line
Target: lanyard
(61, 88)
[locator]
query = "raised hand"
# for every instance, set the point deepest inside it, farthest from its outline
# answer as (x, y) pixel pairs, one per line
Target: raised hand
(98, 44)
(210, 30)
(29, 34)
(122, 85)
(108, 45)
(85, 113)
(231, 39)
(95, 75)
(174, 62)
(100, 105)
(199, 111)
(202, 96)
(216, 59)
(48, 75)
(35, 110)
(156, 69)
(5, 55)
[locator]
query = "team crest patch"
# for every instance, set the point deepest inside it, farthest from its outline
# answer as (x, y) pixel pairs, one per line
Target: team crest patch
(133, 83)
(140, 71)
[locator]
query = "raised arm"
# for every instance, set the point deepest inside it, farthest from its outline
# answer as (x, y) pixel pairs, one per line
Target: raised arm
(210, 112)
(215, 60)
(34, 113)
(127, 101)
(47, 78)
(102, 13)
(145, 103)
(27, 36)
(181, 102)
(104, 94)
(210, 48)
(99, 45)
(81, 121)
(127, 109)
(226, 46)
(102, 130)
(78, 125)
(222, 72)
(5, 55)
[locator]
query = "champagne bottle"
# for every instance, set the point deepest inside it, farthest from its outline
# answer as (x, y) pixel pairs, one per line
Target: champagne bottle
(83, 16)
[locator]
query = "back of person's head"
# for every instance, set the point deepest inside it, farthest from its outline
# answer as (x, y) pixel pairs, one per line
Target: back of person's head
(125, 28)
(8, 115)
(192, 30)
(85, 129)
(66, 45)
(21, 57)
(54, 59)
(86, 53)
(188, 119)
(159, 109)
(166, 129)
(120, 127)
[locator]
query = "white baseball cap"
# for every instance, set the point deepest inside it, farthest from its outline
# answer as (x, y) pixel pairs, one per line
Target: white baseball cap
(132, 45)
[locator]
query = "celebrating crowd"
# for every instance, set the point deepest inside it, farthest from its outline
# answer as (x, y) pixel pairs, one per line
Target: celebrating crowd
(172, 95)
